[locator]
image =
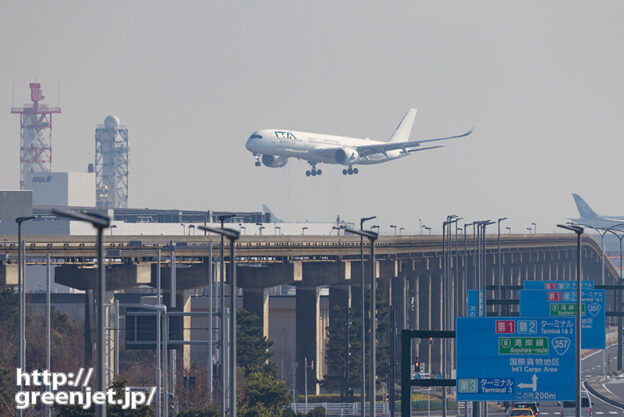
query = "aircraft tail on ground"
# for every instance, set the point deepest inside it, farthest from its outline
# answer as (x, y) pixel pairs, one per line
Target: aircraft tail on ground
(583, 208)
(274, 218)
(403, 130)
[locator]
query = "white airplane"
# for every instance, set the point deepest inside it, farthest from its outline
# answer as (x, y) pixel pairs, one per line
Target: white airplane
(275, 146)
(590, 218)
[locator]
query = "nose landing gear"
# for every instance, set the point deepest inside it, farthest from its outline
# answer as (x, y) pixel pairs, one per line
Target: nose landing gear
(350, 171)
(258, 160)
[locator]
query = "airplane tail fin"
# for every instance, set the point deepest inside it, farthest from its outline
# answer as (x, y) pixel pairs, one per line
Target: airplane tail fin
(403, 130)
(268, 211)
(583, 208)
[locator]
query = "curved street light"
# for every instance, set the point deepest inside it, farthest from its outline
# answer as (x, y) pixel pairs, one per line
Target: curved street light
(232, 236)
(21, 298)
(100, 222)
(579, 231)
(372, 236)
(602, 275)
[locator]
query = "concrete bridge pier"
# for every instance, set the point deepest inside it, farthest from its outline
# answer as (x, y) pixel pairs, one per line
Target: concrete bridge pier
(308, 339)
(8, 274)
(256, 300)
(411, 294)
(339, 307)
(423, 307)
(117, 277)
(435, 311)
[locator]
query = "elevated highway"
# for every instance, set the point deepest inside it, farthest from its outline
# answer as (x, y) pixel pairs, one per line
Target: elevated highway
(409, 269)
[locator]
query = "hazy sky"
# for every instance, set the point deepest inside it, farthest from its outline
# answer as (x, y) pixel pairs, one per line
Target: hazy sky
(192, 80)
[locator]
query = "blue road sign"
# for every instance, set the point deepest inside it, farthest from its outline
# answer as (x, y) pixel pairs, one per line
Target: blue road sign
(515, 359)
(475, 303)
(557, 285)
(561, 303)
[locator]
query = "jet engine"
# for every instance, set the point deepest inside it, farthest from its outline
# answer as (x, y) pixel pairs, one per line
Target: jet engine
(274, 161)
(346, 156)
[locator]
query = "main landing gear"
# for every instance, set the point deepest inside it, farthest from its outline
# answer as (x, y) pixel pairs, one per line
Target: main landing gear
(314, 172)
(350, 171)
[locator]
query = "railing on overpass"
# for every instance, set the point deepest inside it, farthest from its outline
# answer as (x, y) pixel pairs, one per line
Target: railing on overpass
(268, 249)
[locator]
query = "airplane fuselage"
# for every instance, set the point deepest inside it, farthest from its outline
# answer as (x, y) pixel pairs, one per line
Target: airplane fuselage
(296, 144)
(273, 147)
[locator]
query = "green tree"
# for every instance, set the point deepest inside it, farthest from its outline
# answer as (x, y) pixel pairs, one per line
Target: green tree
(263, 394)
(211, 411)
(335, 354)
(252, 347)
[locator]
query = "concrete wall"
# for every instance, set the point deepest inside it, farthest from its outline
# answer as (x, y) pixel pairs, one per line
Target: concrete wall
(13, 204)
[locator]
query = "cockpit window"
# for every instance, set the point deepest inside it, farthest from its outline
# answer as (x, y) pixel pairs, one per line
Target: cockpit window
(255, 136)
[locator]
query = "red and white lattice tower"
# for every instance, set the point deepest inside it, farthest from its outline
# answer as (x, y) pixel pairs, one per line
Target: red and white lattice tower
(35, 135)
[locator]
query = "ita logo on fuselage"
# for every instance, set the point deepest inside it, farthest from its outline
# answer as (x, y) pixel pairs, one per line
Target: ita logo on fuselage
(284, 136)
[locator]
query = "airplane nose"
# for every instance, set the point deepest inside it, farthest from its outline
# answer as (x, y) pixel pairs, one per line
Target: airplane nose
(252, 141)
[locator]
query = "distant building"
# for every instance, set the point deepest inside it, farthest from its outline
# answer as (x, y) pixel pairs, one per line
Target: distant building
(62, 189)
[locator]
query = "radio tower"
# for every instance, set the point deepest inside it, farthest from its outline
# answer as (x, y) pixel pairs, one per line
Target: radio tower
(35, 135)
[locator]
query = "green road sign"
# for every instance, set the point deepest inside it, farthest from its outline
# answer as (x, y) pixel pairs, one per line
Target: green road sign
(523, 345)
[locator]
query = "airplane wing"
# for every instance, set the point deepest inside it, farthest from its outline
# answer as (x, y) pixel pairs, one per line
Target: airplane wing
(328, 154)
(408, 146)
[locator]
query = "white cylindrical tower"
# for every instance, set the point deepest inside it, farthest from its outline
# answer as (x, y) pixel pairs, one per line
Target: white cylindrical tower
(111, 164)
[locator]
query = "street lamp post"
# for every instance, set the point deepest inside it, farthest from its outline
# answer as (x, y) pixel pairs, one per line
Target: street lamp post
(618, 304)
(363, 315)
(393, 226)
(508, 229)
(372, 236)
(602, 256)
(222, 334)
(210, 321)
(579, 231)
(534, 227)
(498, 263)
(429, 229)
(484, 224)
(100, 222)
(161, 344)
(21, 290)
(458, 288)
(232, 235)
(303, 229)
(446, 299)
(466, 258)
(191, 226)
